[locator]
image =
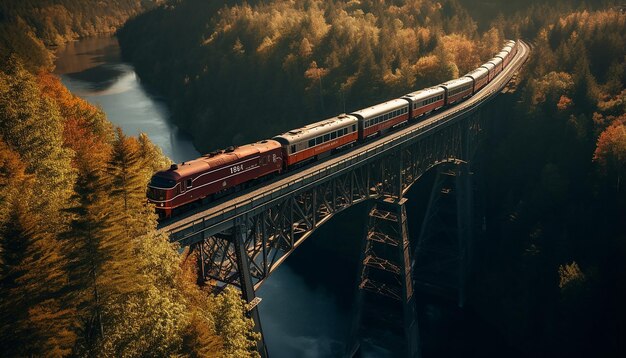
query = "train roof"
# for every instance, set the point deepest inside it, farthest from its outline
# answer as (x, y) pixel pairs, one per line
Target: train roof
(425, 93)
(216, 159)
(315, 129)
(478, 73)
(456, 83)
(495, 60)
(381, 108)
(488, 65)
(502, 55)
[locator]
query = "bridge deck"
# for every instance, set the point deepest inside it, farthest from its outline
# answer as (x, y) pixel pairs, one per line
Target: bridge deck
(220, 215)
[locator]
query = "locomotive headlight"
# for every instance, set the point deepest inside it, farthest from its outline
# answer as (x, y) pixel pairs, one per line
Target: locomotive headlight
(161, 204)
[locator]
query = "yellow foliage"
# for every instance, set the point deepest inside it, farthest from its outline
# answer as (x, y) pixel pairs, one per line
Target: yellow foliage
(570, 274)
(463, 50)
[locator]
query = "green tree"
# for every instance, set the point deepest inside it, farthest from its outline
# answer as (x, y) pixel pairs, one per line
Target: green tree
(234, 328)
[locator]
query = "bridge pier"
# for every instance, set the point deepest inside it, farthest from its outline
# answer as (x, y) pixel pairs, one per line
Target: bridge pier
(443, 250)
(385, 271)
(240, 234)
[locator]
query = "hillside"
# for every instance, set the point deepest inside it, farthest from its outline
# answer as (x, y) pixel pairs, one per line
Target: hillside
(29, 27)
(83, 271)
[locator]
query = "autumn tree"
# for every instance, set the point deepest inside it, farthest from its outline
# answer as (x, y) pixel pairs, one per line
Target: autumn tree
(610, 151)
(235, 329)
(31, 125)
(34, 316)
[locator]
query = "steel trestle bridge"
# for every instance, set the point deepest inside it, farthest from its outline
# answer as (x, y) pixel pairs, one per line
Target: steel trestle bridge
(242, 239)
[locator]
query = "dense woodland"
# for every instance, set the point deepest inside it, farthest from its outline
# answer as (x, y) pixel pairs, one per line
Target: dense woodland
(552, 273)
(83, 271)
(287, 63)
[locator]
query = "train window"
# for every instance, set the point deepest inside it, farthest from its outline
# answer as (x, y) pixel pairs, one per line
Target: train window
(333, 135)
(189, 183)
(293, 148)
(354, 127)
(345, 131)
(311, 142)
(318, 140)
(326, 137)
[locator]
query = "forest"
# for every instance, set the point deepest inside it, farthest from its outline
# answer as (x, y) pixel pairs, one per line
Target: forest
(554, 261)
(83, 271)
(552, 275)
(287, 63)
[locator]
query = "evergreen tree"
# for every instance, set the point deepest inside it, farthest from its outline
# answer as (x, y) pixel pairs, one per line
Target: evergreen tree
(128, 187)
(32, 127)
(234, 328)
(35, 318)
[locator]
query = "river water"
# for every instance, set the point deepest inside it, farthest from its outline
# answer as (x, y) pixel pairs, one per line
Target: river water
(306, 308)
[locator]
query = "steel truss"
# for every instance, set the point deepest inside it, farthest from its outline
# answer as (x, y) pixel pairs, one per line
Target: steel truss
(273, 233)
(245, 253)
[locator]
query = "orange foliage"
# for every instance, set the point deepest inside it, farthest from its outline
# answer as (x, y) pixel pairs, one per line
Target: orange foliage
(73, 107)
(564, 103)
(82, 124)
(11, 166)
(611, 146)
(91, 152)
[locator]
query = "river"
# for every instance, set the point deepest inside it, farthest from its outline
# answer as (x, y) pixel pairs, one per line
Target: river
(306, 308)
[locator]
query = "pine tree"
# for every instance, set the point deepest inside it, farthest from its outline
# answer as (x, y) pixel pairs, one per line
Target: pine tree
(152, 157)
(34, 316)
(234, 328)
(128, 186)
(32, 127)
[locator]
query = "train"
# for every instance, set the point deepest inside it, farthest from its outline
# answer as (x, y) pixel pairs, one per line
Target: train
(222, 172)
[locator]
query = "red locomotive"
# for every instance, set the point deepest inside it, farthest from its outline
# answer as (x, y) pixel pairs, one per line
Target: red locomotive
(214, 175)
